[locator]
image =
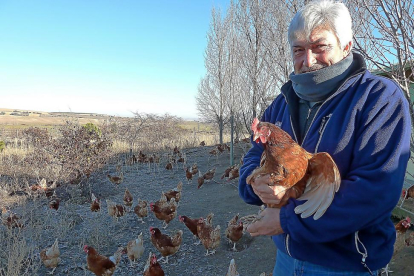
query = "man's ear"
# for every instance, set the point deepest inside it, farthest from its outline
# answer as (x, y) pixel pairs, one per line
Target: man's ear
(347, 48)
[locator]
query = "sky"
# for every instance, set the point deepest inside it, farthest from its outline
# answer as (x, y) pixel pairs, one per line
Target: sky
(107, 57)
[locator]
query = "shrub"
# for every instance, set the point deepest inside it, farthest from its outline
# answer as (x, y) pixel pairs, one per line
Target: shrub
(2, 146)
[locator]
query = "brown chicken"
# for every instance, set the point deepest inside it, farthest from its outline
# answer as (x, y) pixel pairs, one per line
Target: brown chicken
(200, 180)
(115, 210)
(164, 210)
(227, 172)
(234, 230)
(168, 166)
(54, 203)
(141, 210)
(101, 265)
(292, 167)
(135, 249)
(152, 267)
(165, 244)
(202, 143)
(209, 175)
(43, 187)
(175, 193)
(191, 225)
(410, 240)
(188, 174)
(51, 256)
(194, 169)
(10, 219)
(116, 179)
(209, 237)
(234, 173)
(96, 204)
(128, 199)
(409, 193)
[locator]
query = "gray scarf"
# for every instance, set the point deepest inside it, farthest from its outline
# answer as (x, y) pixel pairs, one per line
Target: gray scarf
(317, 85)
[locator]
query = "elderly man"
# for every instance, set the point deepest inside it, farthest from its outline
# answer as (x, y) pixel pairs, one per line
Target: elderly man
(333, 104)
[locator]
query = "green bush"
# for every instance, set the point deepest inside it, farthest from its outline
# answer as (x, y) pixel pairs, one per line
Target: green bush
(2, 146)
(92, 129)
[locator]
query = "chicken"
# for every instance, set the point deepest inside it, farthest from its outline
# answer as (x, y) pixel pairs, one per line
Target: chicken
(116, 179)
(400, 242)
(176, 150)
(194, 169)
(152, 267)
(191, 225)
(96, 204)
(168, 166)
(135, 249)
(209, 175)
(54, 203)
(128, 199)
(209, 237)
(141, 210)
(234, 173)
(409, 193)
(101, 265)
(164, 210)
(200, 180)
(175, 193)
(188, 174)
(202, 143)
(43, 187)
(232, 271)
(165, 244)
(306, 176)
(234, 230)
(410, 240)
(51, 256)
(10, 219)
(115, 210)
(227, 172)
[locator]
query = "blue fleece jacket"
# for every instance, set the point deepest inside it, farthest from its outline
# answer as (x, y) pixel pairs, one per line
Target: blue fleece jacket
(365, 126)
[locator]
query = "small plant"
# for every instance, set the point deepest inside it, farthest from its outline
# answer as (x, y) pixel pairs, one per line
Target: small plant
(92, 129)
(2, 146)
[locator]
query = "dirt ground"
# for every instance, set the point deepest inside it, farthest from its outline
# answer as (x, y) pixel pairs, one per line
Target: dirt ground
(75, 225)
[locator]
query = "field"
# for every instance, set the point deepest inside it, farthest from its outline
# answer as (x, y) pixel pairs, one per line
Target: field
(75, 225)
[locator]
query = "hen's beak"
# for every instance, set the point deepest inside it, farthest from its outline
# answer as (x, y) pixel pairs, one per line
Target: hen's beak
(256, 136)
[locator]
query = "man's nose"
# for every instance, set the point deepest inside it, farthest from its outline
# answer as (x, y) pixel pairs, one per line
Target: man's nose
(309, 58)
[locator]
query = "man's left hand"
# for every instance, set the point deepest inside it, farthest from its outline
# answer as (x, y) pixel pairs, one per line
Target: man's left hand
(268, 225)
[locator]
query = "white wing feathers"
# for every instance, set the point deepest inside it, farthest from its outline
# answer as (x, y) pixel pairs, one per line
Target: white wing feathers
(321, 187)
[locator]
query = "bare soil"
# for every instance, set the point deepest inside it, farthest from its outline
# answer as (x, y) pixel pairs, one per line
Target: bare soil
(75, 225)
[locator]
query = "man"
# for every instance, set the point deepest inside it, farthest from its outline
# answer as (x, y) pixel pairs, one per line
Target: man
(333, 104)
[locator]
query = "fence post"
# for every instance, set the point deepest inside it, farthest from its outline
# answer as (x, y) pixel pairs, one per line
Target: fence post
(231, 140)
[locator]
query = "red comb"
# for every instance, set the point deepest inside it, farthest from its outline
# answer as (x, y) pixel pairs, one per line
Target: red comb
(254, 124)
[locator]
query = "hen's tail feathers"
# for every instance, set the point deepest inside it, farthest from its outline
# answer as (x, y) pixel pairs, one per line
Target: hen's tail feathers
(321, 187)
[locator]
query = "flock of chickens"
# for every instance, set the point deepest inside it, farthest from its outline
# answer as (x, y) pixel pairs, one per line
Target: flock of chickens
(165, 210)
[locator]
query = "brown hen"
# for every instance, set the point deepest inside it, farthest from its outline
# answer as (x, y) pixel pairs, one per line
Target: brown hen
(165, 244)
(306, 176)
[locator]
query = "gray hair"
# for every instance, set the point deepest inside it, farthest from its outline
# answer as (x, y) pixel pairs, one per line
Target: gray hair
(326, 14)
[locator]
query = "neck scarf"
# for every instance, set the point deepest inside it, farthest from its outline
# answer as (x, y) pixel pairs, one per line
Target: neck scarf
(317, 85)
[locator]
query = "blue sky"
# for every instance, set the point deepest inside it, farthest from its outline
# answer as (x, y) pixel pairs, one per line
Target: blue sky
(110, 57)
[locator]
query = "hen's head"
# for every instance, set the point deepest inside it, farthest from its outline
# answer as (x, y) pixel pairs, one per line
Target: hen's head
(181, 218)
(153, 259)
(260, 132)
(404, 192)
(407, 222)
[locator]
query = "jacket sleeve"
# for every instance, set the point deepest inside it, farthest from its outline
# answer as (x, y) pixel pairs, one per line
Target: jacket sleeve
(372, 185)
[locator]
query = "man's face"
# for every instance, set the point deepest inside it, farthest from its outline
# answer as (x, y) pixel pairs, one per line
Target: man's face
(322, 49)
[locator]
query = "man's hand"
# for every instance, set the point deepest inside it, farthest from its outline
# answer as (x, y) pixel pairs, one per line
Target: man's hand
(266, 191)
(268, 224)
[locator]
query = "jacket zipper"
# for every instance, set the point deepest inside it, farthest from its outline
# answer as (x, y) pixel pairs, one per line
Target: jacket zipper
(287, 245)
(322, 128)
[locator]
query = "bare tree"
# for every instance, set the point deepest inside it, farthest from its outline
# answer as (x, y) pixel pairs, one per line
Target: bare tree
(213, 88)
